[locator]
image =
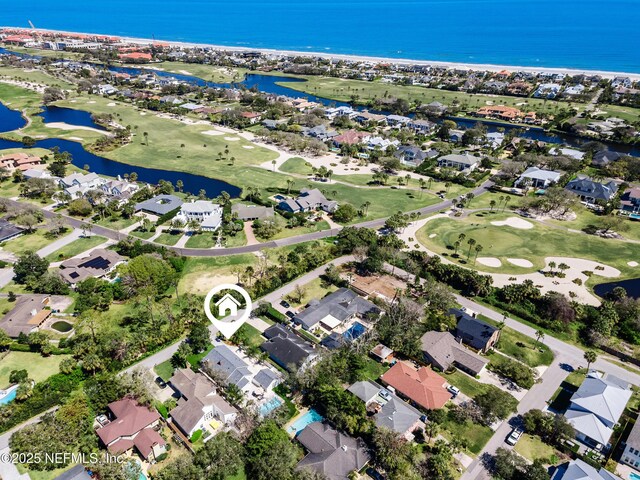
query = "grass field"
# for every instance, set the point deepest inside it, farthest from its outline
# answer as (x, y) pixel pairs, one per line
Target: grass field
(168, 238)
(201, 240)
(206, 72)
(117, 223)
(532, 448)
(200, 274)
(292, 232)
(313, 289)
(521, 347)
(467, 385)
(40, 368)
(533, 244)
(164, 370)
(76, 247)
(32, 241)
(475, 434)
(346, 90)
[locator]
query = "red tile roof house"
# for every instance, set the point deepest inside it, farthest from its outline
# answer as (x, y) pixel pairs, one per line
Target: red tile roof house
(423, 387)
(350, 137)
(132, 425)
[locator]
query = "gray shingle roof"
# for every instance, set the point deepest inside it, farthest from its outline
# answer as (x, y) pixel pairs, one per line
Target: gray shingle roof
(589, 188)
(579, 470)
(8, 230)
(472, 331)
(443, 349)
(341, 304)
(223, 360)
(160, 204)
(285, 347)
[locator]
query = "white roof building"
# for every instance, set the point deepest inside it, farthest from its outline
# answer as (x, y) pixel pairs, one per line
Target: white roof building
(208, 214)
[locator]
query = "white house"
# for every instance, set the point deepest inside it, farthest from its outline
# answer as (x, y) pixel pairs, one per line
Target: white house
(78, 184)
(462, 162)
(537, 178)
(207, 214)
(631, 454)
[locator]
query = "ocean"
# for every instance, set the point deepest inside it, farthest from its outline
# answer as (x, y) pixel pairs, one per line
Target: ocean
(586, 34)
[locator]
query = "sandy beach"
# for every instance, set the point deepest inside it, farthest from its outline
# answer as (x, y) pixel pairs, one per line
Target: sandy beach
(358, 58)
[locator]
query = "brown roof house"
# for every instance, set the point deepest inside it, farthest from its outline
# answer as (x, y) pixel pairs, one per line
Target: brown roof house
(99, 263)
(331, 453)
(199, 403)
(28, 314)
(130, 426)
(424, 387)
(443, 351)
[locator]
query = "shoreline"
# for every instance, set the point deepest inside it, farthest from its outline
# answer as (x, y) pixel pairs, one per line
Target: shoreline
(357, 58)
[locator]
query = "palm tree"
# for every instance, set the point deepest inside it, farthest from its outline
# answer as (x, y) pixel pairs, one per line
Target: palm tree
(289, 185)
(456, 246)
(539, 336)
(146, 138)
(470, 197)
(273, 162)
(590, 356)
(366, 206)
(552, 266)
(179, 185)
(431, 429)
(492, 204)
(506, 200)
(422, 185)
(471, 242)
(478, 249)
(447, 185)
(407, 177)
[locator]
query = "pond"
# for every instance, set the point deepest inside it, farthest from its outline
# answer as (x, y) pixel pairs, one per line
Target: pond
(632, 287)
(62, 326)
(53, 114)
(10, 119)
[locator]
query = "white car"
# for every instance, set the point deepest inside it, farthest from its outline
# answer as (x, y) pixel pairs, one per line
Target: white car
(514, 437)
(453, 390)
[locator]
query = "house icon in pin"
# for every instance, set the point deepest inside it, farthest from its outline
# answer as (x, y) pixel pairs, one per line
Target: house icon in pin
(227, 305)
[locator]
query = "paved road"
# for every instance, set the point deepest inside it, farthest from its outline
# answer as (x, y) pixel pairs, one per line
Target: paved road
(217, 252)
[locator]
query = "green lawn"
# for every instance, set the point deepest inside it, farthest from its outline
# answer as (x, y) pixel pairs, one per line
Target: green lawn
(31, 241)
(168, 238)
(313, 289)
(533, 244)
(532, 448)
(194, 358)
(292, 232)
(117, 223)
(201, 240)
(42, 474)
(372, 370)
(76, 247)
(475, 434)
(143, 235)
(251, 335)
(296, 165)
(164, 370)
(467, 384)
(40, 368)
(200, 274)
(521, 347)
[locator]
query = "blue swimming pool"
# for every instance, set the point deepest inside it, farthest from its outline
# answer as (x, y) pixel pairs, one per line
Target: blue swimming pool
(634, 476)
(300, 424)
(355, 331)
(9, 396)
(268, 407)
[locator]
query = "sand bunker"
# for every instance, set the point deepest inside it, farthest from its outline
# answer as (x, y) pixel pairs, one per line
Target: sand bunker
(632, 264)
(91, 101)
(248, 147)
(231, 139)
(111, 104)
(142, 113)
(490, 261)
(433, 235)
(212, 132)
(66, 126)
(520, 262)
(577, 265)
(514, 222)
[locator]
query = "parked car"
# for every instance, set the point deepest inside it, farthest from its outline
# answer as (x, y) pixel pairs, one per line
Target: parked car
(160, 382)
(285, 304)
(453, 390)
(289, 314)
(386, 394)
(514, 437)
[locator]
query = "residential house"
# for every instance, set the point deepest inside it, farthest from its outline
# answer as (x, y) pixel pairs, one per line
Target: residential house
(78, 184)
(252, 117)
(248, 377)
(350, 137)
(580, 470)
(398, 120)
(119, 189)
(631, 453)
(501, 112)
(389, 411)
(412, 155)
(381, 353)
(574, 90)
(495, 139)
(27, 315)
(462, 162)
(131, 426)
(424, 387)
(308, 200)
(569, 152)
(596, 408)
(456, 135)
(105, 89)
(159, 205)
(321, 132)
(99, 263)
(630, 201)
(381, 143)
(621, 82)
(547, 90)
(590, 191)
(423, 127)
(246, 212)
(207, 214)
(605, 157)
(342, 111)
(435, 108)
(335, 309)
(443, 351)
(19, 161)
(35, 173)
(366, 117)
(537, 178)
(287, 349)
(331, 453)
(198, 403)
(475, 333)
(8, 230)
